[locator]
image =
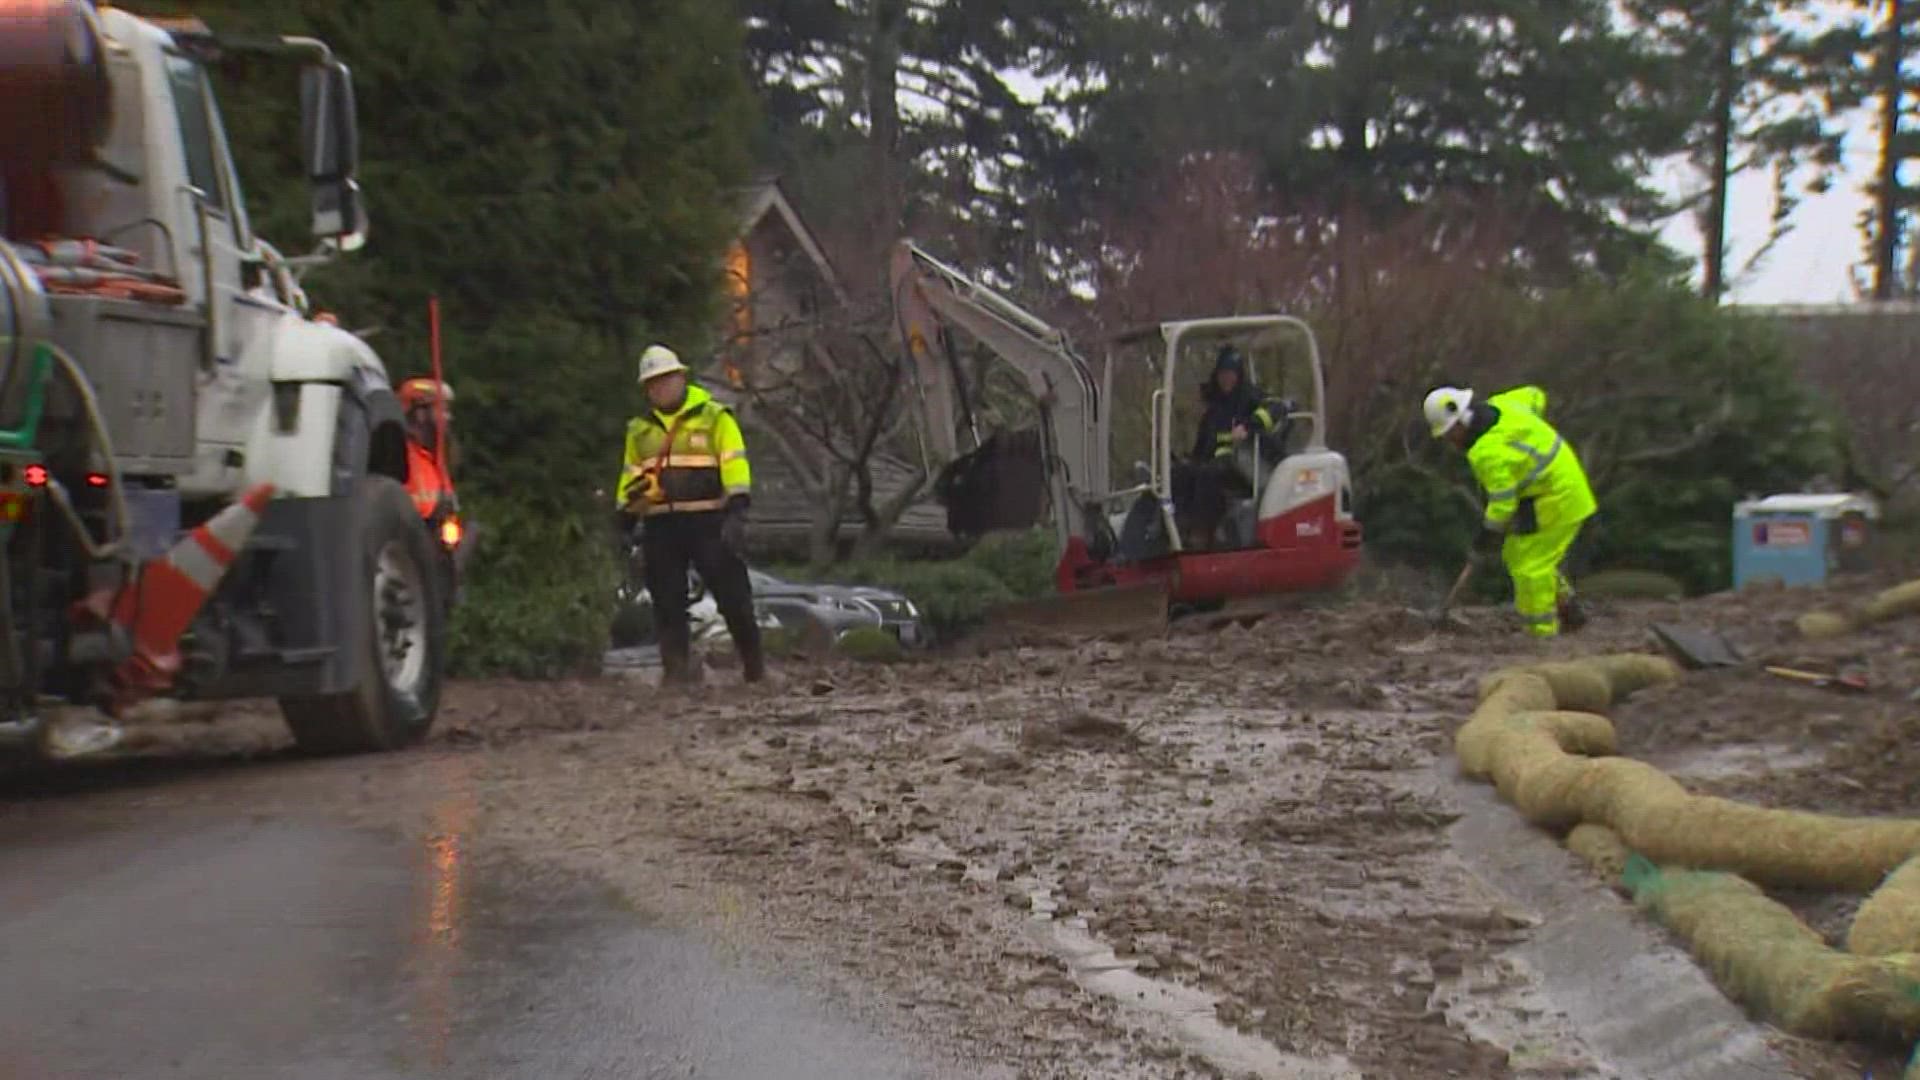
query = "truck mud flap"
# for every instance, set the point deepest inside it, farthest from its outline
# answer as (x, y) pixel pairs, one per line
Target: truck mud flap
(291, 597)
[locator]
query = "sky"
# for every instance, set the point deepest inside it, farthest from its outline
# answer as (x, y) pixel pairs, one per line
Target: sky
(1815, 262)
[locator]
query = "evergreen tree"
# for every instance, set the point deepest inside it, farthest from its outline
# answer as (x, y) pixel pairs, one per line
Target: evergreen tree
(1364, 108)
(562, 174)
(909, 103)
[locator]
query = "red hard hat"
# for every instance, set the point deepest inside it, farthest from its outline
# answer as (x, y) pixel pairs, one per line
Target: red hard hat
(418, 392)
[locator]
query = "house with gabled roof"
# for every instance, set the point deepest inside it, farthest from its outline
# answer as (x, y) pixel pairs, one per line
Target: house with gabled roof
(781, 285)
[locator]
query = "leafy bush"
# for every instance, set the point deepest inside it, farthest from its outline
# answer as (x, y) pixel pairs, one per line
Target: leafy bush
(632, 625)
(953, 596)
(566, 210)
(1676, 408)
(1024, 562)
(539, 594)
(870, 644)
(1631, 585)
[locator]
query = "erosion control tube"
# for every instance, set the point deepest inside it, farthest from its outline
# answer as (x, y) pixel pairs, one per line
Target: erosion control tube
(1886, 604)
(1692, 862)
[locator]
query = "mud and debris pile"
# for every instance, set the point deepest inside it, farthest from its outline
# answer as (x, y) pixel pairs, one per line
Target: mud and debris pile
(1255, 817)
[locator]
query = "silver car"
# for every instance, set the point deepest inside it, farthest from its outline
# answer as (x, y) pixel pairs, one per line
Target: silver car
(838, 608)
(635, 627)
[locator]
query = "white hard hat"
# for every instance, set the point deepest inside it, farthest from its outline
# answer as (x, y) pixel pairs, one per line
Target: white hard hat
(659, 360)
(1447, 406)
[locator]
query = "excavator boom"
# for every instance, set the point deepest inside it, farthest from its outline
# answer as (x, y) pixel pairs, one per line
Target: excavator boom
(930, 296)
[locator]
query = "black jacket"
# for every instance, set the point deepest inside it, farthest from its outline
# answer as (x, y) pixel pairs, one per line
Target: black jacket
(1262, 416)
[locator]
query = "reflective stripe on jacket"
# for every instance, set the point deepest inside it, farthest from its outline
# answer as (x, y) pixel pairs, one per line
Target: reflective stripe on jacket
(1522, 457)
(426, 481)
(705, 466)
(1259, 422)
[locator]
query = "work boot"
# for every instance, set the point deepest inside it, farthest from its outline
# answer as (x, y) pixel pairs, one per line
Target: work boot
(676, 667)
(1572, 615)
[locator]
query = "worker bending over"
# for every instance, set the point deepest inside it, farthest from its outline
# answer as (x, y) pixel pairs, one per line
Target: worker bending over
(1537, 494)
(1234, 411)
(686, 478)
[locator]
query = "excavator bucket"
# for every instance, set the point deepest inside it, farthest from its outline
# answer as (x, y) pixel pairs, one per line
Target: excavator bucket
(1121, 611)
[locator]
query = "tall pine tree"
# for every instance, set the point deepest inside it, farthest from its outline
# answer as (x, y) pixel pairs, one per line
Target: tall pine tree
(1365, 108)
(1758, 88)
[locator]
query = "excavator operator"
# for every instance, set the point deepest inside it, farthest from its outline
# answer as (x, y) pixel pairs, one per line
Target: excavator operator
(1234, 410)
(685, 476)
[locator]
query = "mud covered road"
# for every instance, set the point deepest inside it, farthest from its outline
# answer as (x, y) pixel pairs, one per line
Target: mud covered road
(1238, 851)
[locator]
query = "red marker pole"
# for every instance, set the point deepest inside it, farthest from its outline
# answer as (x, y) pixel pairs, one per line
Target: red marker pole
(439, 401)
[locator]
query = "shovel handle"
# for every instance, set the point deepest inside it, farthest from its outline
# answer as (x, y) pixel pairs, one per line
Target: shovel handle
(1458, 584)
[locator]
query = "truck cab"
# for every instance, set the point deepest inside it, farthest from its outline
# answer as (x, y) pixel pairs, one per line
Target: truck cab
(160, 362)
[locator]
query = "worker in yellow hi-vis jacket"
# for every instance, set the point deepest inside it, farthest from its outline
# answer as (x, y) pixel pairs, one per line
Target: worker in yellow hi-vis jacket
(685, 476)
(1537, 494)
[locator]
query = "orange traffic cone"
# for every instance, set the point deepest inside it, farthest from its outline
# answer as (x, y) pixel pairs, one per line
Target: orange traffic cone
(156, 608)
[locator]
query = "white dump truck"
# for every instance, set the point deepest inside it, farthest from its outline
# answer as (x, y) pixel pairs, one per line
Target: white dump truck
(201, 487)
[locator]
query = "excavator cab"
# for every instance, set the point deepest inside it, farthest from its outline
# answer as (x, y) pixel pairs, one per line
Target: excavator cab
(1279, 376)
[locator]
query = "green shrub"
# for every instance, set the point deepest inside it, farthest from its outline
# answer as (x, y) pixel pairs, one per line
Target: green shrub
(1631, 585)
(632, 625)
(539, 594)
(1677, 409)
(779, 641)
(871, 644)
(1024, 562)
(953, 596)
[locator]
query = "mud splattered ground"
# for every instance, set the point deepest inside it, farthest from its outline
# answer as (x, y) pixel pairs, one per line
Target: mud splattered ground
(1238, 832)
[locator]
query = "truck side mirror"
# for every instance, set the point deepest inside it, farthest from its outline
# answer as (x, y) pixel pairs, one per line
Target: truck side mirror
(330, 151)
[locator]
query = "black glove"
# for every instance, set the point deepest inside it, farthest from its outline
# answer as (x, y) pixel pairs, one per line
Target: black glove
(1488, 541)
(733, 528)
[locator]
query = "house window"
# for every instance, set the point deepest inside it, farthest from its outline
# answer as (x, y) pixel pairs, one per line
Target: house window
(740, 288)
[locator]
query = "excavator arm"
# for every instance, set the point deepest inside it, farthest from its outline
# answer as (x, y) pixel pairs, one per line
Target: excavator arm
(929, 295)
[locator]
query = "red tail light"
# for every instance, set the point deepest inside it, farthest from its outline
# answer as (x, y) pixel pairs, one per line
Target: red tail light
(95, 479)
(36, 475)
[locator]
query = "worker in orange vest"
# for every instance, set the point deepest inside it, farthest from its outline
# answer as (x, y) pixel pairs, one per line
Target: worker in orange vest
(428, 478)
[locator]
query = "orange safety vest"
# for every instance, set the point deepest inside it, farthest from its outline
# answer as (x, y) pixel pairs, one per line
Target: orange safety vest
(426, 481)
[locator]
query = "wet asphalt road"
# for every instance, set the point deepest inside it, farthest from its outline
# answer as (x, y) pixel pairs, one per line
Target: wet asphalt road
(159, 937)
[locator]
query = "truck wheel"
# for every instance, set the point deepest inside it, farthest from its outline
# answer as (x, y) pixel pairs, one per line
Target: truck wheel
(402, 635)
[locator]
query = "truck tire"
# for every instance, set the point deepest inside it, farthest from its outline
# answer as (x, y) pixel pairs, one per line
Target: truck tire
(401, 635)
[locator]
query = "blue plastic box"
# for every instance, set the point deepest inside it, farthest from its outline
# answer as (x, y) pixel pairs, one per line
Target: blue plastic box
(1800, 539)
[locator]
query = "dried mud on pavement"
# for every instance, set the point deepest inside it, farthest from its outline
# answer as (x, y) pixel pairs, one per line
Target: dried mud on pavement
(1237, 835)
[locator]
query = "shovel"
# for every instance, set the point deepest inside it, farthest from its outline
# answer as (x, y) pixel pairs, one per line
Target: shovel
(1442, 616)
(1694, 648)
(1844, 680)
